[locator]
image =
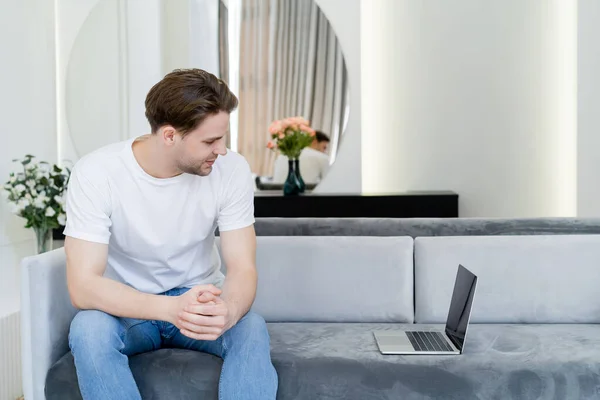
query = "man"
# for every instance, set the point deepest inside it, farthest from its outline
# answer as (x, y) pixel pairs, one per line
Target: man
(320, 142)
(314, 161)
(141, 259)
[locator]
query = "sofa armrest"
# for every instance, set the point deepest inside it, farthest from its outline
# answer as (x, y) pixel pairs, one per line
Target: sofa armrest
(46, 314)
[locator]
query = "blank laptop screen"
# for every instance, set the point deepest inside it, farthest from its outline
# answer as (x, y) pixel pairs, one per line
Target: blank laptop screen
(460, 306)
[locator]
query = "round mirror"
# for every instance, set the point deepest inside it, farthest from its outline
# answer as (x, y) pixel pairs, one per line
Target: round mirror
(281, 58)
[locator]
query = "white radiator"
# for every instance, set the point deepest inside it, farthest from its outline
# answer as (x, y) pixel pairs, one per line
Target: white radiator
(10, 356)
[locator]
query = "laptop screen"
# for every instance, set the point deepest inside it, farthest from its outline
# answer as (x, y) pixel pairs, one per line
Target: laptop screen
(460, 306)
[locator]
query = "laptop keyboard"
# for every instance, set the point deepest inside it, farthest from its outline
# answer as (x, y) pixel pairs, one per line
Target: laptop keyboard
(428, 341)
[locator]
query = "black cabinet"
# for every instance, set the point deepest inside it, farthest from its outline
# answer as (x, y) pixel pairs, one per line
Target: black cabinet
(348, 205)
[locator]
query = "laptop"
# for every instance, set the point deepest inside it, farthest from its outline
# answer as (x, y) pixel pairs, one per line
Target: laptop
(436, 342)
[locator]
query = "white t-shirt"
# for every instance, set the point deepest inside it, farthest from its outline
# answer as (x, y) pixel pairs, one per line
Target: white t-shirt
(160, 232)
(314, 164)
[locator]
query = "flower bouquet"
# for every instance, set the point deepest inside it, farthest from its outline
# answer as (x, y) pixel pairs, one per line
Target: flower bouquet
(37, 194)
(290, 136)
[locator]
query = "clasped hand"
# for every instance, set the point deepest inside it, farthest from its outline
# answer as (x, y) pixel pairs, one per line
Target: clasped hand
(201, 314)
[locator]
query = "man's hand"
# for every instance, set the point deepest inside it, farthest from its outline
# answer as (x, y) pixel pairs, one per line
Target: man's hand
(191, 325)
(207, 319)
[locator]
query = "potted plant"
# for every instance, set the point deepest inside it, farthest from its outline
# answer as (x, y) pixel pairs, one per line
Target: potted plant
(37, 193)
(290, 136)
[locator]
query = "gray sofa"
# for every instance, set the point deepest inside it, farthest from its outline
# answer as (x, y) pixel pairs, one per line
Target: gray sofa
(325, 285)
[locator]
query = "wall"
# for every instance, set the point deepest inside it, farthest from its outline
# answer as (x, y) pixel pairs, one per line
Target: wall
(589, 109)
(479, 98)
(345, 174)
(29, 127)
(28, 104)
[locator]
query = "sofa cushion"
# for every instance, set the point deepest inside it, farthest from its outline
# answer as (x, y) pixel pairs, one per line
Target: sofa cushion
(341, 361)
(334, 279)
(522, 279)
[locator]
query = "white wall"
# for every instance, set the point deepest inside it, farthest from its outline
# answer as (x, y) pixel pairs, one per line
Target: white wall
(475, 97)
(345, 174)
(27, 104)
(589, 109)
(472, 98)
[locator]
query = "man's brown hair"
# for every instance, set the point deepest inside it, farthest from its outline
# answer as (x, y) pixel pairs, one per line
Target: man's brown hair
(185, 97)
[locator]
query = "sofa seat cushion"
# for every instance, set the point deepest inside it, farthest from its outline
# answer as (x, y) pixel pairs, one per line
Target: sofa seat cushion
(341, 361)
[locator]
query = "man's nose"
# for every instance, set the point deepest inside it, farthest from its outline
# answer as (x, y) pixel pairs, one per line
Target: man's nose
(220, 148)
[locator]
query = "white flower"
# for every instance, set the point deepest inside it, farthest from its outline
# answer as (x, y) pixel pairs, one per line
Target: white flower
(31, 183)
(40, 201)
(22, 204)
(43, 174)
(20, 188)
(50, 212)
(28, 197)
(62, 218)
(60, 200)
(18, 207)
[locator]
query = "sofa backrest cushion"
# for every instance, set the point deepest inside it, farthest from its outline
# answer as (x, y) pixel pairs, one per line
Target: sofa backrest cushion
(521, 279)
(415, 227)
(334, 279)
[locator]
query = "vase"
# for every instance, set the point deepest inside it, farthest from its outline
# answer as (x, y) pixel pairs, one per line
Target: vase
(299, 175)
(291, 187)
(43, 239)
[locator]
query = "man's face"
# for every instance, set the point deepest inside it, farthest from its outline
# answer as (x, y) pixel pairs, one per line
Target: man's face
(321, 146)
(197, 151)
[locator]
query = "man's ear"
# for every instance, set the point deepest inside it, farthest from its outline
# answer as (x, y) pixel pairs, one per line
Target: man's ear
(167, 133)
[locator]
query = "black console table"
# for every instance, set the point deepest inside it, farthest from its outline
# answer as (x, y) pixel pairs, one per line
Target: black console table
(387, 205)
(347, 205)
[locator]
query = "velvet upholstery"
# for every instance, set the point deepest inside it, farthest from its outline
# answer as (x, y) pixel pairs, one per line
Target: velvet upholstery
(341, 361)
(522, 279)
(316, 279)
(333, 359)
(424, 226)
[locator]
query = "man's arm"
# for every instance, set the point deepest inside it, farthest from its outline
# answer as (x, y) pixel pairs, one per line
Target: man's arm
(88, 289)
(239, 254)
(238, 247)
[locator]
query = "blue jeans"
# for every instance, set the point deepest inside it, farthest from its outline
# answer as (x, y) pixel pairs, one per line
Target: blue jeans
(101, 343)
